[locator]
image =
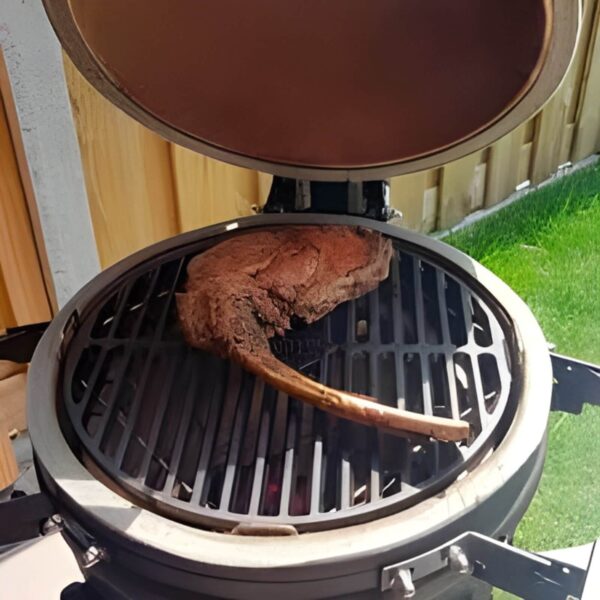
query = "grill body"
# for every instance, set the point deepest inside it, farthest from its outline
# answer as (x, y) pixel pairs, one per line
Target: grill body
(486, 486)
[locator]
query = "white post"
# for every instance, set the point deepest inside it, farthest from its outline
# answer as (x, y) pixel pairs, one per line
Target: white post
(34, 63)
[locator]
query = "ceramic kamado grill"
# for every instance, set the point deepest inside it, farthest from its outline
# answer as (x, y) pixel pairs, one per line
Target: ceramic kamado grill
(175, 474)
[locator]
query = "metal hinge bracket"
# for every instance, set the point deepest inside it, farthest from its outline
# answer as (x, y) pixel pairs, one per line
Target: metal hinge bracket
(575, 383)
(362, 198)
(525, 574)
(18, 344)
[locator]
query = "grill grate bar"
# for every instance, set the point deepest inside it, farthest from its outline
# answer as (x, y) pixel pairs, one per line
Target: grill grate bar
(316, 483)
(233, 456)
(374, 436)
(426, 381)
(420, 310)
(467, 299)
(397, 310)
(398, 333)
(223, 439)
(253, 422)
(455, 411)
(304, 458)
(375, 474)
(214, 409)
(108, 413)
(123, 295)
(500, 352)
(418, 298)
(120, 417)
(182, 430)
(157, 422)
(345, 481)
(351, 320)
(247, 455)
(288, 463)
(317, 470)
(259, 467)
(374, 322)
(344, 381)
(272, 486)
(137, 399)
(441, 288)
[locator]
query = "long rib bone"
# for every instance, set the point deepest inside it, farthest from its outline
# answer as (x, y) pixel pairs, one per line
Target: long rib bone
(241, 292)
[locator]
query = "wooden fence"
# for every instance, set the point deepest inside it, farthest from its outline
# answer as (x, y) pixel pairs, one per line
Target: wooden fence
(142, 189)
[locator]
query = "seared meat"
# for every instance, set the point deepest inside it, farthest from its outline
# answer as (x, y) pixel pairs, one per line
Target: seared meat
(242, 291)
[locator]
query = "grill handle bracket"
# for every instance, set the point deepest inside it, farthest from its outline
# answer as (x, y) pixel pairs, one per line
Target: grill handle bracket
(575, 383)
(525, 574)
(26, 518)
(19, 343)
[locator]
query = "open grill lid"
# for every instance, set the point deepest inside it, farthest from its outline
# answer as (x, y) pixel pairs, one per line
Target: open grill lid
(324, 90)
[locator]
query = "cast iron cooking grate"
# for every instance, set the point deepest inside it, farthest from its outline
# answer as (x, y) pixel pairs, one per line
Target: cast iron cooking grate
(196, 438)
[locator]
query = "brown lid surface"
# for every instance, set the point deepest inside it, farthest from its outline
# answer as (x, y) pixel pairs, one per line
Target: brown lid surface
(314, 84)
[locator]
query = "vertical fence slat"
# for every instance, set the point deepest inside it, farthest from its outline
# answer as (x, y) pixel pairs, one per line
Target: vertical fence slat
(552, 142)
(128, 174)
(462, 189)
(586, 137)
(23, 280)
(209, 191)
(264, 186)
(503, 167)
(6, 97)
(7, 317)
(407, 194)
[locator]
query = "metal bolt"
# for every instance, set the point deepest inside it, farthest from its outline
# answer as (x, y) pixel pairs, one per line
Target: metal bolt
(92, 555)
(402, 581)
(6, 493)
(458, 561)
(54, 523)
(394, 217)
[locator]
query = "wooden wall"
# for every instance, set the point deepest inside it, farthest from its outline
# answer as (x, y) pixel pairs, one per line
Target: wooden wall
(142, 189)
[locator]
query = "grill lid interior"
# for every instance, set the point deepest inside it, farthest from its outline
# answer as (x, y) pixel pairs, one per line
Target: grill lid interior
(323, 90)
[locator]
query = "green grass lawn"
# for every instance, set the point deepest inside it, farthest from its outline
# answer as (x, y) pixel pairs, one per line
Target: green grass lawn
(547, 248)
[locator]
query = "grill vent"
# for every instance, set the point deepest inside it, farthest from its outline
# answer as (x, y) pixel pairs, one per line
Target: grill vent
(200, 440)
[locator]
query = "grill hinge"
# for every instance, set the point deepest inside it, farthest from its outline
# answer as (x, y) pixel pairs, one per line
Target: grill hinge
(363, 198)
(19, 343)
(525, 574)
